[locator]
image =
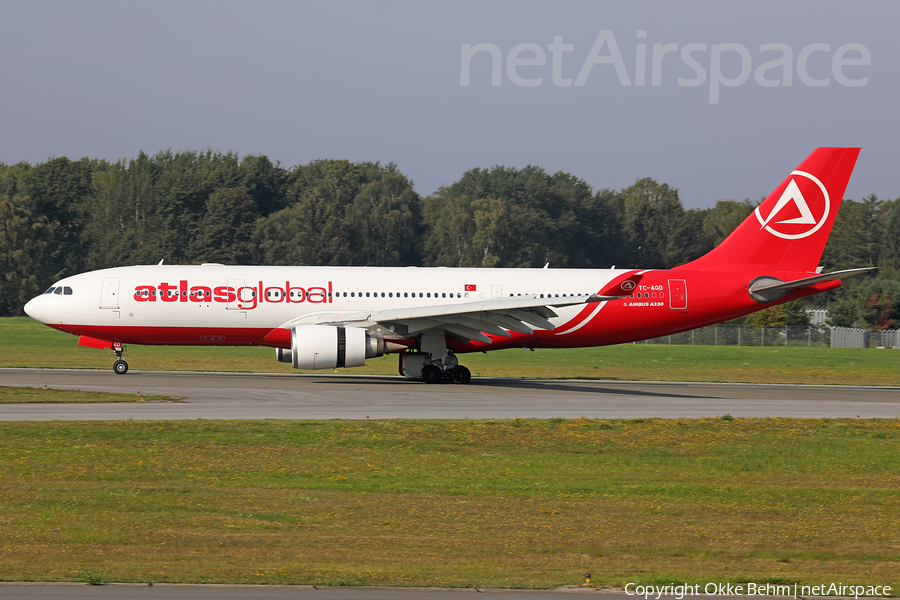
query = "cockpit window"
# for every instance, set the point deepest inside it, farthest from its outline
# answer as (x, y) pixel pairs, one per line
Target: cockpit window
(67, 291)
(58, 291)
(50, 291)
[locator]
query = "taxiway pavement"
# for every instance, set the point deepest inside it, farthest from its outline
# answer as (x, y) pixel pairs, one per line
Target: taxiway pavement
(296, 396)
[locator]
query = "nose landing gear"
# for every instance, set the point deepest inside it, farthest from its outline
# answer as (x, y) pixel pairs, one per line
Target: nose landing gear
(120, 367)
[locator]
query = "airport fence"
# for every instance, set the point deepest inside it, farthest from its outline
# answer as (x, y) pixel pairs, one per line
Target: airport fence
(821, 336)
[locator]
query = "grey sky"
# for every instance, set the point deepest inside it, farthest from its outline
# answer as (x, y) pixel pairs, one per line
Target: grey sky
(381, 81)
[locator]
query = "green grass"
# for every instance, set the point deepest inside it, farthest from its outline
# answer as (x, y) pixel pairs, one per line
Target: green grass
(27, 343)
(14, 395)
(518, 503)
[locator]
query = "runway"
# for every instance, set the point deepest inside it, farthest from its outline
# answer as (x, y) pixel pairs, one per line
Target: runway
(294, 396)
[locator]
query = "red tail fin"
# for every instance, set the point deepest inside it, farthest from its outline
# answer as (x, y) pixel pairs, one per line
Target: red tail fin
(788, 231)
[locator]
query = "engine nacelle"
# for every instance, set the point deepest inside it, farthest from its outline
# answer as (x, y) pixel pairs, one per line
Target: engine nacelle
(327, 347)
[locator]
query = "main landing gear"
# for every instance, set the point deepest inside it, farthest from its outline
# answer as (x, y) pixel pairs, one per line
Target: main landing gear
(120, 367)
(459, 374)
(433, 364)
(418, 365)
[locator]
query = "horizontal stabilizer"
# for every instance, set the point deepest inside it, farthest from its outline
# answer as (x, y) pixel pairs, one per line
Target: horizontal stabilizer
(769, 289)
(806, 282)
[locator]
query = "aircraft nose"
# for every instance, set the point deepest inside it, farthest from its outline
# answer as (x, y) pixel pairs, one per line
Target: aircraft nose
(33, 308)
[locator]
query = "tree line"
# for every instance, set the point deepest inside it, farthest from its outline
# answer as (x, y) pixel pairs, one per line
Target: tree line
(65, 216)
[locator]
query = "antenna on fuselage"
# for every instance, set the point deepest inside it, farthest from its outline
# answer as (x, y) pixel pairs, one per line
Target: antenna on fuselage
(159, 264)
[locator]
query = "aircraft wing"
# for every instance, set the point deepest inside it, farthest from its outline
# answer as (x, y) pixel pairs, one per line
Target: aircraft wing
(470, 321)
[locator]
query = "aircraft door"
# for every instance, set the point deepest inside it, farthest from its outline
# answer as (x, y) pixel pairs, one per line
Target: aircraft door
(496, 291)
(109, 293)
(677, 294)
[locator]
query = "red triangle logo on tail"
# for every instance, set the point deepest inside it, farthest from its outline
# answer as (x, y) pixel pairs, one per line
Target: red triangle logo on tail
(812, 214)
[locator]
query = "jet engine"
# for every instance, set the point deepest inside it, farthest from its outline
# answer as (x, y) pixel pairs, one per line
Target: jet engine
(327, 347)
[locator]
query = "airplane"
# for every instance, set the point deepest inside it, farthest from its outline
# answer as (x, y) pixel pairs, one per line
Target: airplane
(330, 317)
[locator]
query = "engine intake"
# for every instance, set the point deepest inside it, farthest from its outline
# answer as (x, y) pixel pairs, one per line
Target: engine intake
(327, 347)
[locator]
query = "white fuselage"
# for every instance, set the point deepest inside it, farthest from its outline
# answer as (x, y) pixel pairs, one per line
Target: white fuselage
(158, 299)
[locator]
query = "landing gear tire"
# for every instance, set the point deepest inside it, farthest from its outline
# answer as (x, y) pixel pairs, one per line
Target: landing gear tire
(120, 367)
(460, 374)
(432, 374)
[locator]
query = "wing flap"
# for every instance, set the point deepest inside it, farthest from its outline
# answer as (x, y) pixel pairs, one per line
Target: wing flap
(477, 324)
(530, 318)
(506, 322)
(466, 333)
